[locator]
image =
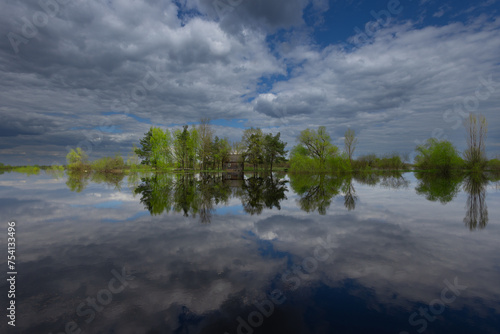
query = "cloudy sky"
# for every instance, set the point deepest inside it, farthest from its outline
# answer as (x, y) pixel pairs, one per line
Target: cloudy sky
(98, 74)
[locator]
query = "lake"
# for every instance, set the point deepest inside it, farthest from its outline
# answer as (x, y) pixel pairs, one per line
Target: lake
(164, 253)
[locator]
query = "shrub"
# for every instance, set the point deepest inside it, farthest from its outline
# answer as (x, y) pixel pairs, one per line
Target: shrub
(364, 162)
(391, 161)
(438, 154)
(108, 164)
(77, 160)
(493, 164)
(338, 163)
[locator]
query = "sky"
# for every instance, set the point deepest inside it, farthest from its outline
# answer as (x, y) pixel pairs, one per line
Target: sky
(98, 74)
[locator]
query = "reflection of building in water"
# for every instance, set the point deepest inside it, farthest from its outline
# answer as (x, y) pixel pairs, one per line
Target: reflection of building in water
(234, 180)
(235, 164)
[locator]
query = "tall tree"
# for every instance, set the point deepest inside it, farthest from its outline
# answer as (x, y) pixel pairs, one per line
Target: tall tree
(144, 151)
(350, 142)
(318, 144)
(193, 146)
(476, 129)
(249, 132)
(254, 150)
(225, 150)
(274, 149)
(253, 141)
(161, 155)
(181, 151)
(206, 135)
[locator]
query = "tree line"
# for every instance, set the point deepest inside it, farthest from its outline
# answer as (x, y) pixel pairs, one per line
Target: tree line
(315, 152)
(199, 148)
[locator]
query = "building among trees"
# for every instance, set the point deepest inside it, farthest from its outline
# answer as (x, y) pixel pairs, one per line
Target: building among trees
(235, 164)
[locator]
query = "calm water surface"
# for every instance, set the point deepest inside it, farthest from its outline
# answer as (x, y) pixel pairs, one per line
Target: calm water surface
(288, 254)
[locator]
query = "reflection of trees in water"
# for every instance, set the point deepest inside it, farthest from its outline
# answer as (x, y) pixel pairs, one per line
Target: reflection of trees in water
(78, 181)
(444, 188)
(156, 192)
(438, 187)
(183, 193)
(476, 215)
(316, 191)
(396, 181)
(350, 197)
(259, 192)
(192, 195)
(387, 179)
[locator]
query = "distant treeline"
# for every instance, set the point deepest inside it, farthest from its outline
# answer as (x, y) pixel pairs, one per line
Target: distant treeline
(315, 152)
(198, 148)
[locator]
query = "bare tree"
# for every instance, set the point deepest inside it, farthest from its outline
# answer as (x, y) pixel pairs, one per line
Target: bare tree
(238, 147)
(350, 142)
(206, 134)
(476, 130)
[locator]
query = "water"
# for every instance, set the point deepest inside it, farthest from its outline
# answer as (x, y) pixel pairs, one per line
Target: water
(289, 254)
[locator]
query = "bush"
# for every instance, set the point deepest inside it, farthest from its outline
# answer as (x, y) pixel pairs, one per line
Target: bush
(338, 163)
(493, 164)
(391, 161)
(364, 162)
(109, 164)
(77, 160)
(28, 170)
(438, 154)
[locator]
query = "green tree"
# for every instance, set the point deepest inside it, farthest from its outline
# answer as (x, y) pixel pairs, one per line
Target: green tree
(274, 149)
(438, 154)
(161, 155)
(318, 144)
(253, 141)
(144, 151)
(77, 159)
(254, 150)
(220, 152)
(181, 147)
(193, 146)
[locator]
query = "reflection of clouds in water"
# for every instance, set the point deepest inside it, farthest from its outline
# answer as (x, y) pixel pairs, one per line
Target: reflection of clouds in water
(394, 246)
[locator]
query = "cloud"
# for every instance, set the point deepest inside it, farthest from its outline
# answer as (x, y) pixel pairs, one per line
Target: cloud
(92, 63)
